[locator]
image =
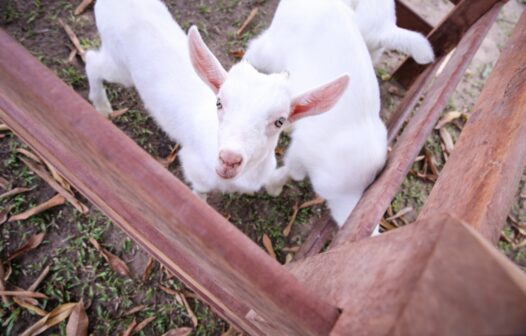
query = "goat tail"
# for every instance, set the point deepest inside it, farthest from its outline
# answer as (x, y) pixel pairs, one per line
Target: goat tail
(409, 42)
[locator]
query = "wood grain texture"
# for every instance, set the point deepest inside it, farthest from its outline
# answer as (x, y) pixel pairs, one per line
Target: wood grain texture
(481, 176)
(409, 19)
(368, 212)
(149, 203)
(446, 36)
(434, 277)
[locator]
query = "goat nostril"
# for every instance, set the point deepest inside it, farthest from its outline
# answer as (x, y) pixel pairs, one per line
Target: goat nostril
(230, 158)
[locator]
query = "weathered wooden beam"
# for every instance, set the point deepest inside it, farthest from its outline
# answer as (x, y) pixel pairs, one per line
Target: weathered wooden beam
(149, 203)
(437, 276)
(368, 212)
(408, 19)
(481, 176)
(446, 36)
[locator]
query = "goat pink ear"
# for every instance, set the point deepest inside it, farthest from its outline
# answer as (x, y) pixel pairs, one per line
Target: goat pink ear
(205, 63)
(318, 100)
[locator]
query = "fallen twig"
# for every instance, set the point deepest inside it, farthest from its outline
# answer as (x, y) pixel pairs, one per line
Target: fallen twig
(51, 203)
(55, 185)
(14, 192)
(295, 211)
(82, 7)
(74, 39)
(249, 19)
(35, 295)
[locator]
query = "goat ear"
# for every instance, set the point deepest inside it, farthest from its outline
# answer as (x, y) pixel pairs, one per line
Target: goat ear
(318, 100)
(205, 63)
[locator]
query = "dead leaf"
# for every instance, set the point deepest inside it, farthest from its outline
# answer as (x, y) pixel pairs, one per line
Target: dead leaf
(386, 225)
(143, 324)
(3, 183)
(26, 305)
(447, 118)
(166, 162)
(51, 203)
(447, 139)
(317, 201)
(81, 8)
(184, 331)
(57, 177)
(292, 249)
(401, 213)
(116, 114)
(189, 311)
(4, 128)
(130, 328)
(39, 280)
(29, 154)
(14, 192)
(53, 318)
(395, 91)
(148, 269)
(268, 246)
(116, 263)
(230, 332)
(249, 19)
(74, 39)
(43, 174)
(292, 219)
(430, 160)
(178, 295)
(32, 243)
(72, 54)
(78, 321)
(135, 310)
(28, 294)
(238, 53)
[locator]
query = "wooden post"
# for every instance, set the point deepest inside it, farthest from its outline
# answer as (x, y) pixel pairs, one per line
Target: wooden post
(481, 176)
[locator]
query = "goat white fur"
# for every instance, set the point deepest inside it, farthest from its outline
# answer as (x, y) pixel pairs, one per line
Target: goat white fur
(143, 46)
(223, 147)
(377, 22)
(341, 150)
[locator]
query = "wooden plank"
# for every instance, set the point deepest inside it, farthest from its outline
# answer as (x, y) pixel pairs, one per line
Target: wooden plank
(377, 198)
(148, 202)
(446, 36)
(408, 19)
(411, 281)
(321, 233)
(481, 176)
(408, 103)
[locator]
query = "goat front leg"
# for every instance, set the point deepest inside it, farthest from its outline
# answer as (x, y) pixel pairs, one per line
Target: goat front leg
(277, 180)
(95, 67)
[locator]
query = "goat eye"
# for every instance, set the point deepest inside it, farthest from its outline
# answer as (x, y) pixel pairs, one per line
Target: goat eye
(278, 123)
(219, 105)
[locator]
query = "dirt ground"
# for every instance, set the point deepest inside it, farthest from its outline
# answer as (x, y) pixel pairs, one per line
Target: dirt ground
(77, 271)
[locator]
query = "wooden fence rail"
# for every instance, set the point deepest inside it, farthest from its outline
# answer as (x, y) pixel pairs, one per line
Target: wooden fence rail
(151, 205)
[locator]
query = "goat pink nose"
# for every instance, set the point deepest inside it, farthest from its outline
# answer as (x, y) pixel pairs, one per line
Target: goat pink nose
(230, 158)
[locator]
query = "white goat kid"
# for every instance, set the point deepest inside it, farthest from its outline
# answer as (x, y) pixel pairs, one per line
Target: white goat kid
(342, 150)
(377, 22)
(187, 92)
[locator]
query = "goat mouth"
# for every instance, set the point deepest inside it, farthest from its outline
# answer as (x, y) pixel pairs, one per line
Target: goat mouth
(226, 173)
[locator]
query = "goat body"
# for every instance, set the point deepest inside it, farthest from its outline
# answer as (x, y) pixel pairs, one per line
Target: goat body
(343, 149)
(143, 46)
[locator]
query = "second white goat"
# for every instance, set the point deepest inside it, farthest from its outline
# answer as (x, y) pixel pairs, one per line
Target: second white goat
(377, 22)
(341, 150)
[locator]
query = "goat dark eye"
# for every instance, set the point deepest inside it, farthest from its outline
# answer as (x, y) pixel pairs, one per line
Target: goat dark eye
(278, 123)
(219, 105)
